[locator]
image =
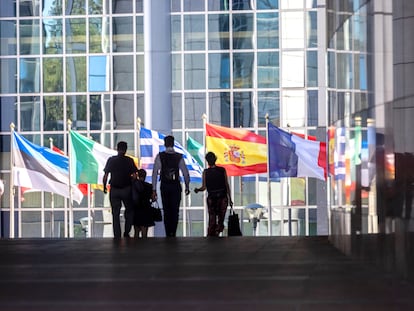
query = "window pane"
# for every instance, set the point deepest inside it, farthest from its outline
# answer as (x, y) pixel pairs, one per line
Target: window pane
(176, 33)
(218, 5)
(268, 103)
(53, 74)
(193, 5)
(8, 38)
(30, 113)
(77, 111)
(268, 70)
(100, 113)
(243, 109)
(241, 4)
(122, 34)
(243, 70)
(218, 32)
(293, 30)
(194, 32)
(53, 113)
(313, 108)
(52, 8)
(312, 32)
(268, 30)
(98, 35)
(76, 35)
(29, 75)
(140, 33)
(96, 6)
(267, 4)
(76, 7)
(140, 72)
(29, 37)
(176, 71)
(27, 7)
(8, 75)
(194, 72)
(76, 74)
(344, 65)
(177, 109)
(219, 108)
(194, 107)
(122, 6)
(219, 71)
(243, 31)
(291, 4)
(52, 36)
(124, 114)
(123, 73)
(98, 79)
(312, 68)
(293, 108)
(294, 75)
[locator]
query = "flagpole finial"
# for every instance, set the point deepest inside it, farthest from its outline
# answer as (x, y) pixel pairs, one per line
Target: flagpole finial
(267, 116)
(204, 116)
(12, 126)
(139, 121)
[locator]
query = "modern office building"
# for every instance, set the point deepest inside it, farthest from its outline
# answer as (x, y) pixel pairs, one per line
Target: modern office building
(337, 70)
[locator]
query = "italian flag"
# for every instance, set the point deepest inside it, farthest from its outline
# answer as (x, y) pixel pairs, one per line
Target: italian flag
(87, 159)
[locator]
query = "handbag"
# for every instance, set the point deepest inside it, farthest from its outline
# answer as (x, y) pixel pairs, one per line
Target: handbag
(233, 224)
(156, 212)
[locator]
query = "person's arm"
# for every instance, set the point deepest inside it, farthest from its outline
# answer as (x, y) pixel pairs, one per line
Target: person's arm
(186, 175)
(155, 172)
(203, 183)
(104, 181)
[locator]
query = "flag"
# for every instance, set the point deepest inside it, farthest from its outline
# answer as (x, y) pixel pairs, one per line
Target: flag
(339, 155)
(239, 151)
(41, 168)
(152, 142)
(196, 150)
(88, 159)
(293, 156)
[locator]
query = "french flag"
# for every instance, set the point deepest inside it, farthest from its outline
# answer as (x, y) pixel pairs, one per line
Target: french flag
(290, 155)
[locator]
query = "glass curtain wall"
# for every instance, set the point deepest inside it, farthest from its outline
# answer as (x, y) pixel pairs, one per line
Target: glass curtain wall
(61, 60)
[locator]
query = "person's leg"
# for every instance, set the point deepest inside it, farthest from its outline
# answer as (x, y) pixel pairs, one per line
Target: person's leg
(212, 218)
(171, 198)
(144, 231)
(116, 204)
(129, 209)
(221, 214)
(136, 231)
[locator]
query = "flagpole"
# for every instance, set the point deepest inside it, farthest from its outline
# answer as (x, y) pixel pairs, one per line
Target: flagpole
(71, 231)
(52, 202)
(204, 118)
(11, 232)
(138, 147)
(269, 196)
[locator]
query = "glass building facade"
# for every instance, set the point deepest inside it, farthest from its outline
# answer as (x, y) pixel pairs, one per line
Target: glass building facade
(101, 64)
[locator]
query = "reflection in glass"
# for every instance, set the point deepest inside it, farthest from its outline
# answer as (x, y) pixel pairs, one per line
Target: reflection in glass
(53, 74)
(344, 65)
(76, 35)
(123, 73)
(124, 112)
(175, 33)
(243, 31)
(30, 113)
(122, 6)
(77, 111)
(98, 74)
(293, 74)
(293, 36)
(219, 108)
(293, 108)
(194, 107)
(194, 32)
(267, 4)
(52, 36)
(29, 75)
(98, 35)
(176, 71)
(291, 4)
(52, 8)
(194, 72)
(312, 33)
(219, 71)
(140, 106)
(76, 74)
(100, 113)
(218, 32)
(243, 70)
(29, 37)
(313, 108)
(140, 33)
(29, 8)
(193, 5)
(268, 70)
(122, 28)
(312, 68)
(177, 109)
(241, 4)
(140, 72)
(8, 112)
(268, 103)
(76, 7)
(53, 113)
(9, 85)
(218, 5)
(242, 109)
(8, 44)
(268, 30)
(97, 7)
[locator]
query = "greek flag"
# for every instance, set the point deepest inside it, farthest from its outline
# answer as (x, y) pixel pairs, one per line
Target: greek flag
(152, 142)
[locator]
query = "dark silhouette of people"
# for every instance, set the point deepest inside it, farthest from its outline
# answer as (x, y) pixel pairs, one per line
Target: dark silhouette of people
(167, 165)
(122, 170)
(219, 197)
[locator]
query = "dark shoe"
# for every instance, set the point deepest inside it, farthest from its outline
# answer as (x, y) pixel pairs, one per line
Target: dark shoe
(126, 235)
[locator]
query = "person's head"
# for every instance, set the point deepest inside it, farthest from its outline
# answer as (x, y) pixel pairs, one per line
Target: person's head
(169, 141)
(122, 147)
(211, 158)
(142, 174)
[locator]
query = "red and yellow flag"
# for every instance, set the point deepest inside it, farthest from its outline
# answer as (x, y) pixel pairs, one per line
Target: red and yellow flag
(239, 151)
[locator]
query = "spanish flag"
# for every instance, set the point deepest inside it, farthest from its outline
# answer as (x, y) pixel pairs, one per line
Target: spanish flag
(239, 151)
